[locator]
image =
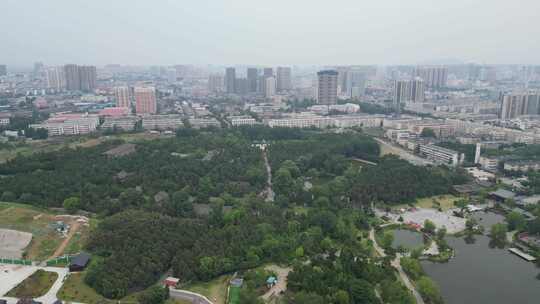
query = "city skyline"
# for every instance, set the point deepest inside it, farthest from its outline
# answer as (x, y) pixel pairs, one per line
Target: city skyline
(308, 32)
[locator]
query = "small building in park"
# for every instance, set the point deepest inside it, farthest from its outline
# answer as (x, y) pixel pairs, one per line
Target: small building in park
(171, 282)
(271, 281)
(79, 262)
(502, 195)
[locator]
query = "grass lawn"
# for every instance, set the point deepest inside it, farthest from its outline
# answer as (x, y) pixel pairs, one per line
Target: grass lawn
(76, 290)
(78, 240)
(45, 247)
(215, 290)
(446, 201)
(35, 285)
(234, 295)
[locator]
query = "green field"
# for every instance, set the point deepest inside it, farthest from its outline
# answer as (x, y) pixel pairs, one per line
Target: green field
(35, 285)
(446, 201)
(74, 289)
(234, 295)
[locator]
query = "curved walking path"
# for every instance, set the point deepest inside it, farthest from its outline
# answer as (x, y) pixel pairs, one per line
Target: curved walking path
(268, 191)
(396, 263)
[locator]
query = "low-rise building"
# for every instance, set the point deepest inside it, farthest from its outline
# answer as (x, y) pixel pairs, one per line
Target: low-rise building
(522, 166)
(367, 121)
(69, 124)
(204, 122)
(441, 155)
(243, 121)
(490, 164)
(162, 122)
(125, 123)
(302, 121)
(5, 118)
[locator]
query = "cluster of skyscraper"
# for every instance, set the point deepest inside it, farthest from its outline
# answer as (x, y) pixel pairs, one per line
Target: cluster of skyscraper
(434, 77)
(352, 80)
(72, 77)
(514, 105)
(266, 84)
(407, 91)
(145, 99)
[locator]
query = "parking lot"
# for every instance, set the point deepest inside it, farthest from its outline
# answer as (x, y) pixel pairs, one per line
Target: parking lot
(418, 216)
(12, 243)
(12, 275)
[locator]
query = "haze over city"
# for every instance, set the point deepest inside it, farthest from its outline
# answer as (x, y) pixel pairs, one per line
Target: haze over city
(278, 152)
(276, 32)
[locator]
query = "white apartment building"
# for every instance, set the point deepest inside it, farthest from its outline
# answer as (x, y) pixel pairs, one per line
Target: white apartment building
(349, 121)
(490, 164)
(243, 121)
(162, 122)
(441, 155)
(302, 121)
(126, 123)
(204, 122)
(69, 124)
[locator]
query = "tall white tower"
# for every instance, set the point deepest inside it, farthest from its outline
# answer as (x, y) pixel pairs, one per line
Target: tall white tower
(477, 153)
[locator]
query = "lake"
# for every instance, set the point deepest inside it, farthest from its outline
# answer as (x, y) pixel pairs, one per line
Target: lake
(479, 274)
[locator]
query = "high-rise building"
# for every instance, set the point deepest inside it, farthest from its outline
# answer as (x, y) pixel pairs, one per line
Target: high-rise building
(171, 75)
(145, 100)
(514, 105)
(252, 77)
(230, 80)
(55, 78)
(327, 87)
(38, 69)
(268, 72)
(355, 83)
(73, 80)
(215, 83)
(122, 97)
(417, 90)
(242, 86)
(80, 78)
(88, 77)
(270, 87)
(434, 77)
(401, 89)
(3, 70)
(406, 91)
(283, 79)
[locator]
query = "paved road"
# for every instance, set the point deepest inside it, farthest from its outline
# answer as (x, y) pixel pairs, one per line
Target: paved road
(268, 191)
(185, 295)
(396, 263)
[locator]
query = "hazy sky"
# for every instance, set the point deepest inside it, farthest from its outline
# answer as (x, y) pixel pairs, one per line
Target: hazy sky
(269, 32)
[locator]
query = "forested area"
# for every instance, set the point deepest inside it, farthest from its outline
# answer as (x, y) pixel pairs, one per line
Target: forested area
(149, 221)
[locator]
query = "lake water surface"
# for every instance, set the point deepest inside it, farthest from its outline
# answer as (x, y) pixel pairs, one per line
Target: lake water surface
(479, 274)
